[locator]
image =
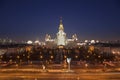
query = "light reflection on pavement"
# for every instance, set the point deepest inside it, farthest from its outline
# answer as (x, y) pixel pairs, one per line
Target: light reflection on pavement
(36, 74)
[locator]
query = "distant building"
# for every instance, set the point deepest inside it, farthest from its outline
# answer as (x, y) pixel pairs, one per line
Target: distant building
(61, 35)
(108, 48)
(61, 38)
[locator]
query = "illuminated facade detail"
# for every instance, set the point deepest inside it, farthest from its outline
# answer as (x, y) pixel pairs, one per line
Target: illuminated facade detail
(61, 38)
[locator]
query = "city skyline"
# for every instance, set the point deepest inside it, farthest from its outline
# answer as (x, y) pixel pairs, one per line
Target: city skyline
(31, 20)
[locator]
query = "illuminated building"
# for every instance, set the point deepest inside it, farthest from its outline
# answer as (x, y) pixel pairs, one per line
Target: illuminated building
(61, 38)
(61, 35)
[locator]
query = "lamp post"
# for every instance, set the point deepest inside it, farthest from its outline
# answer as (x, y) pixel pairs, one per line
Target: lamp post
(68, 61)
(18, 59)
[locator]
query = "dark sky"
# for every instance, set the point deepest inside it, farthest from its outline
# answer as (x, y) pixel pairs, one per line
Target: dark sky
(32, 19)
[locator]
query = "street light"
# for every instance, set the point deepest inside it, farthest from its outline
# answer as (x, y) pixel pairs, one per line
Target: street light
(41, 56)
(28, 58)
(51, 56)
(18, 57)
(68, 61)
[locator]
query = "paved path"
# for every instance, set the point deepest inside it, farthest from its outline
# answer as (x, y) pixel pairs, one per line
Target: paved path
(34, 74)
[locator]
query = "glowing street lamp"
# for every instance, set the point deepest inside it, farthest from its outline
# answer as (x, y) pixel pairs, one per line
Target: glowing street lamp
(76, 56)
(18, 57)
(41, 56)
(68, 61)
(51, 56)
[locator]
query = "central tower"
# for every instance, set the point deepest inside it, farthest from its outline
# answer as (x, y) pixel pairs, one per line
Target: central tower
(60, 40)
(61, 35)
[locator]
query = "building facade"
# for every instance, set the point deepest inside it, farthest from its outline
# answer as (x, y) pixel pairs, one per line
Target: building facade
(61, 38)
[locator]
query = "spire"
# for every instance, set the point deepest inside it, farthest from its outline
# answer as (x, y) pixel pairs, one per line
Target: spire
(60, 20)
(61, 25)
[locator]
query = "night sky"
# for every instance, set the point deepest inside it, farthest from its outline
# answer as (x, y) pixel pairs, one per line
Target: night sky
(32, 19)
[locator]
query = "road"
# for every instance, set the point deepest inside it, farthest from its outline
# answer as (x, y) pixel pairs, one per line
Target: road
(57, 75)
(35, 72)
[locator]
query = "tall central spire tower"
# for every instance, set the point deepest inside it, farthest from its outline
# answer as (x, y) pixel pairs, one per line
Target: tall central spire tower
(61, 35)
